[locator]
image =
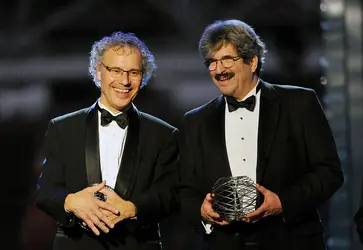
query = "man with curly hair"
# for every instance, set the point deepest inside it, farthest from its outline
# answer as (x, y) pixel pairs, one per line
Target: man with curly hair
(109, 169)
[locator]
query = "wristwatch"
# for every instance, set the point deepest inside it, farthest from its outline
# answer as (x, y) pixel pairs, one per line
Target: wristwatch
(97, 195)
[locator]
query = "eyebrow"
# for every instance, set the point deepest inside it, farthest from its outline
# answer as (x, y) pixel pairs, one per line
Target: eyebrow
(223, 57)
(112, 67)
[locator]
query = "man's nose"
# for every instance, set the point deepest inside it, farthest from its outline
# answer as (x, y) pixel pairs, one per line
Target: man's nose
(219, 67)
(124, 79)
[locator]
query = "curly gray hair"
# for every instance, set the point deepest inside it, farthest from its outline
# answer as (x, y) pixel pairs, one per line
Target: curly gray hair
(121, 39)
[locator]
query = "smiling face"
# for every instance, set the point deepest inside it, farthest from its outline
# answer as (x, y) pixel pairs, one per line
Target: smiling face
(237, 80)
(117, 92)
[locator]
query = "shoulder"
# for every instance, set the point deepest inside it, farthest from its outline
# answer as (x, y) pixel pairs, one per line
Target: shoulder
(292, 97)
(73, 121)
(205, 109)
(155, 123)
(71, 117)
(288, 93)
(156, 131)
(288, 89)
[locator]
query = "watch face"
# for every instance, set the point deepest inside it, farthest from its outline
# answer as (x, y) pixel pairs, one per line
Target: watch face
(100, 196)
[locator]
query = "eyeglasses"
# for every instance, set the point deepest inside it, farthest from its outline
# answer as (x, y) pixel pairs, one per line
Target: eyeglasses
(227, 62)
(133, 74)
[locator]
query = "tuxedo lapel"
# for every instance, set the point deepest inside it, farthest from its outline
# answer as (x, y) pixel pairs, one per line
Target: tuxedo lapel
(216, 132)
(126, 176)
(268, 120)
(92, 153)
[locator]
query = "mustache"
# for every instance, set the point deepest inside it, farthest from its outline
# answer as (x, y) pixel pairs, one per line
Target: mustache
(225, 75)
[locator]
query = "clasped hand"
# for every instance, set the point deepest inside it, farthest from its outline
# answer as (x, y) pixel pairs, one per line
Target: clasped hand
(126, 208)
(270, 206)
(98, 214)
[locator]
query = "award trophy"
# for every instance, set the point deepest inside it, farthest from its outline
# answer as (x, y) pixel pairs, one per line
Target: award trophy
(234, 197)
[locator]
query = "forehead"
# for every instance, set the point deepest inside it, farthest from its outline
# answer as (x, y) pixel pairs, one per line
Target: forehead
(225, 50)
(121, 56)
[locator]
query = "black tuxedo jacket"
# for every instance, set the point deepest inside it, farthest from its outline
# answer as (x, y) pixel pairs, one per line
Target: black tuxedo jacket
(296, 159)
(147, 176)
(358, 217)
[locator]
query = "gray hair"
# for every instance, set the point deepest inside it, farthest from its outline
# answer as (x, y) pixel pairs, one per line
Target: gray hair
(121, 39)
(234, 32)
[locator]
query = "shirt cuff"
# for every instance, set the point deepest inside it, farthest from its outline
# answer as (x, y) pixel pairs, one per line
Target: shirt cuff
(208, 227)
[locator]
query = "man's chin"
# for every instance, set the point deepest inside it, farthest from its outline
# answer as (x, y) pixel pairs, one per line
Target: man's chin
(225, 91)
(121, 105)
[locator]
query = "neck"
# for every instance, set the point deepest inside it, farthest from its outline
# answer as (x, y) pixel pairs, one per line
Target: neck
(247, 88)
(113, 110)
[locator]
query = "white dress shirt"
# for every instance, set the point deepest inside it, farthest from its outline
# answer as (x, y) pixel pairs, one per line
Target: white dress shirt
(111, 142)
(241, 134)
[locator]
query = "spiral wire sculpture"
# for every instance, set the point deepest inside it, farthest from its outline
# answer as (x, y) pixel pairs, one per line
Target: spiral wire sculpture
(234, 197)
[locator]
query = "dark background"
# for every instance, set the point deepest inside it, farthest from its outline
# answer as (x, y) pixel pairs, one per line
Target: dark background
(44, 49)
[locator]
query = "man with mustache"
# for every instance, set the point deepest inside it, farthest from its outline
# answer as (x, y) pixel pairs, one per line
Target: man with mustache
(278, 136)
(110, 169)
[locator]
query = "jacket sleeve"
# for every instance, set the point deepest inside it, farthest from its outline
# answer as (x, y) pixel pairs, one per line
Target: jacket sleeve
(358, 218)
(51, 192)
(325, 176)
(160, 200)
(191, 197)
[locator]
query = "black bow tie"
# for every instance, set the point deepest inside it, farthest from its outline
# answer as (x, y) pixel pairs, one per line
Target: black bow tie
(233, 104)
(107, 117)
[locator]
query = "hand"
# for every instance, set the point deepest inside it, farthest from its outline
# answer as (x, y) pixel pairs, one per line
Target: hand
(126, 208)
(270, 206)
(208, 213)
(87, 208)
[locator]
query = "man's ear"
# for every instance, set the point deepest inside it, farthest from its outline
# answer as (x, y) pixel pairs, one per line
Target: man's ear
(254, 63)
(98, 72)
